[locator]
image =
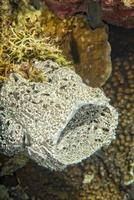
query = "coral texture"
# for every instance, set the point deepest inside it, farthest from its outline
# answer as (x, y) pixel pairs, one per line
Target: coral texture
(118, 12)
(112, 168)
(88, 49)
(29, 33)
(58, 123)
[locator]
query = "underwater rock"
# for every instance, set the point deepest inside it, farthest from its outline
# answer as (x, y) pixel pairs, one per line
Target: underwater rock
(117, 12)
(88, 49)
(57, 123)
(65, 8)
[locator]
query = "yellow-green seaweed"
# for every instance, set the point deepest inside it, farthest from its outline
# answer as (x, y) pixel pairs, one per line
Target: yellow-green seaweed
(22, 40)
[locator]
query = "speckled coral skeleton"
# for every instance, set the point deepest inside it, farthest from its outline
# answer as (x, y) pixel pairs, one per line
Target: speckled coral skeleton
(66, 120)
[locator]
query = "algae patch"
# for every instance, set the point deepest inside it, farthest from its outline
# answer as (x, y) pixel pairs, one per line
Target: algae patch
(22, 41)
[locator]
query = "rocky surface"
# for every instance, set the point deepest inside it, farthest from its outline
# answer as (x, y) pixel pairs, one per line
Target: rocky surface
(88, 49)
(118, 12)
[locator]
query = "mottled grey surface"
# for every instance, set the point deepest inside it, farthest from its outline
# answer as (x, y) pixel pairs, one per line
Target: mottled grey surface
(57, 123)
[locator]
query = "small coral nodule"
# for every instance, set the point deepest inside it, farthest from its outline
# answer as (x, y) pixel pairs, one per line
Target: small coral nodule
(57, 123)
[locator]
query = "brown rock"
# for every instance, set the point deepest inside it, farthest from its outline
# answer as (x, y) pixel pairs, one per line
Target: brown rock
(90, 52)
(88, 49)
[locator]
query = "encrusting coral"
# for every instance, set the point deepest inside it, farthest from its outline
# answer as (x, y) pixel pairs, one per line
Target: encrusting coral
(81, 117)
(88, 49)
(22, 40)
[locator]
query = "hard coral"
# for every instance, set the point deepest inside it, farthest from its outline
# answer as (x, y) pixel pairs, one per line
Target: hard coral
(88, 49)
(81, 118)
(112, 167)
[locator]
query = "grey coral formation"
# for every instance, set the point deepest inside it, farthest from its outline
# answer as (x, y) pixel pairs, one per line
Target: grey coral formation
(57, 123)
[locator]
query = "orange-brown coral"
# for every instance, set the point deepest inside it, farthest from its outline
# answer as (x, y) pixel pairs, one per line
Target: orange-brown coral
(89, 49)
